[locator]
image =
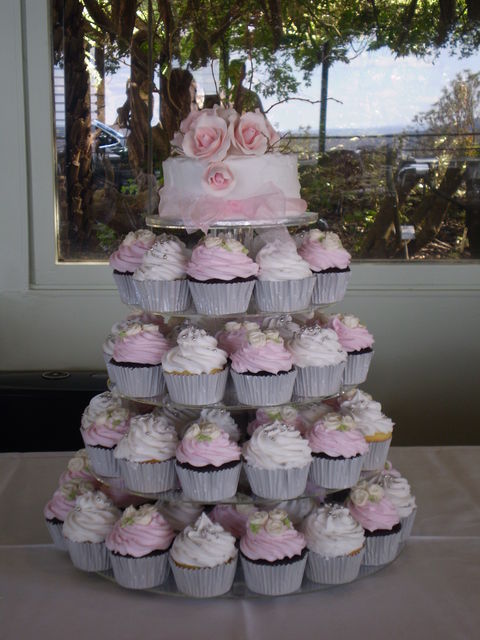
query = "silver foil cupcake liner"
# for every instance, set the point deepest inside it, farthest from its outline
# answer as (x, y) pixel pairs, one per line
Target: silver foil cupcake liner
(284, 295)
(196, 389)
(205, 582)
(335, 474)
(407, 525)
(319, 381)
(274, 579)
(111, 373)
(56, 533)
(139, 382)
(140, 573)
(357, 368)
(165, 296)
(103, 461)
(209, 486)
(264, 390)
(89, 556)
(330, 287)
(277, 484)
(126, 288)
(148, 477)
(218, 298)
(376, 455)
(381, 549)
(339, 570)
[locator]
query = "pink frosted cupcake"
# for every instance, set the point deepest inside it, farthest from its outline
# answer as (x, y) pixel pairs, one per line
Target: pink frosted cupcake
(262, 370)
(138, 545)
(78, 468)
(398, 491)
(357, 342)
(338, 450)
(273, 554)
(286, 414)
(57, 508)
(233, 336)
(208, 463)
(378, 516)
(221, 276)
(126, 259)
(233, 517)
(136, 361)
(329, 262)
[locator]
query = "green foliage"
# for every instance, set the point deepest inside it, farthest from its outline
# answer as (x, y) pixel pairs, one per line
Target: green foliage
(106, 237)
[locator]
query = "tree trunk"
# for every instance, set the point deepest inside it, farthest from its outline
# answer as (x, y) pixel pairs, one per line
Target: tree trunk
(322, 130)
(138, 91)
(175, 99)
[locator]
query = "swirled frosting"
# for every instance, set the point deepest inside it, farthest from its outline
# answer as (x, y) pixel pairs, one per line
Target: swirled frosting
(316, 347)
(371, 508)
(367, 414)
(220, 258)
(140, 343)
(179, 417)
(150, 438)
(323, 250)
(337, 435)
(297, 509)
(206, 443)
(130, 253)
(264, 351)
(277, 445)
(234, 335)
(285, 325)
(78, 468)
(352, 335)
(331, 531)
(166, 260)
(271, 536)
(280, 261)
(92, 518)
(222, 419)
(285, 413)
(63, 499)
(108, 428)
(203, 544)
(179, 514)
(398, 491)
(233, 517)
(196, 353)
(99, 404)
(139, 532)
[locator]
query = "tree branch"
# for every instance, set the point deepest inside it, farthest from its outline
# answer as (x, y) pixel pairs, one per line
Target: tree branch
(299, 100)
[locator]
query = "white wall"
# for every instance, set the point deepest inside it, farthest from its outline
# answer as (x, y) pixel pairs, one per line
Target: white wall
(426, 319)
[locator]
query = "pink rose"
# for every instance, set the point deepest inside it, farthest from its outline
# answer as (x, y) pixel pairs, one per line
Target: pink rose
(205, 135)
(218, 179)
(254, 134)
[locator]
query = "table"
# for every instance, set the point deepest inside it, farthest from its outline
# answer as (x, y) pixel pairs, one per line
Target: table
(431, 591)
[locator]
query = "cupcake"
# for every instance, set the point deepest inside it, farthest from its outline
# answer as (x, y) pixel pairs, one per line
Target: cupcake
(338, 450)
(262, 370)
(221, 276)
(233, 517)
(374, 425)
(146, 454)
(85, 528)
(57, 508)
(101, 432)
(273, 554)
(126, 259)
(136, 361)
(285, 281)
(357, 342)
(329, 262)
(336, 545)
(234, 335)
(223, 419)
(208, 463)
(139, 543)
(320, 361)
(285, 413)
(161, 279)
(375, 512)
(277, 461)
(196, 369)
(178, 512)
(398, 491)
(78, 468)
(203, 559)
(284, 324)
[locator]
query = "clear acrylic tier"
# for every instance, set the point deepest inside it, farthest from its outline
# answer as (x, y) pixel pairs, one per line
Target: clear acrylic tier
(178, 224)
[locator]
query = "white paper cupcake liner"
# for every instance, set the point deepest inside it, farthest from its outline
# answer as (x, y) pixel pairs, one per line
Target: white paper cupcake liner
(376, 455)
(381, 549)
(319, 381)
(89, 556)
(140, 573)
(221, 298)
(273, 579)
(204, 582)
(139, 382)
(330, 287)
(209, 486)
(277, 484)
(56, 533)
(196, 389)
(339, 570)
(264, 390)
(103, 461)
(148, 477)
(335, 474)
(284, 295)
(357, 368)
(126, 288)
(163, 296)
(407, 525)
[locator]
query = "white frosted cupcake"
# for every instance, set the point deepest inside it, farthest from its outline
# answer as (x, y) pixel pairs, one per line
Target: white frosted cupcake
(203, 559)
(126, 259)
(398, 491)
(223, 419)
(61, 503)
(277, 461)
(336, 545)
